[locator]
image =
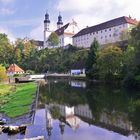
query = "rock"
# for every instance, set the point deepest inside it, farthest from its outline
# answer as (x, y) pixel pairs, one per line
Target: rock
(22, 128)
(1, 128)
(5, 129)
(13, 130)
(2, 123)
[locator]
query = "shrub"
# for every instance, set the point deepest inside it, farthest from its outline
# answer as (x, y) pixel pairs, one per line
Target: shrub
(129, 81)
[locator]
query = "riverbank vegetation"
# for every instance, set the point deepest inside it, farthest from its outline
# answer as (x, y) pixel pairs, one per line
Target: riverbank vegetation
(108, 63)
(113, 63)
(15, 100)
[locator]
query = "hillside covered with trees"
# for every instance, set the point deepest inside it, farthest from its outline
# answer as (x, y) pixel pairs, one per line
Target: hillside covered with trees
(107, 63)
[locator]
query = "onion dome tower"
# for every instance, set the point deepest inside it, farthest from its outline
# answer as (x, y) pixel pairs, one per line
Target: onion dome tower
(59, 23)
(46, 29)
(46, 22)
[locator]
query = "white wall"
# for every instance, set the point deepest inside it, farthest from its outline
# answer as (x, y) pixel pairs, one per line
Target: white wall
(108, 35)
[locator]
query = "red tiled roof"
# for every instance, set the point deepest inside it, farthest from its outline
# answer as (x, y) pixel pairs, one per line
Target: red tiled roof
(14, 68)
(131, 21)
(108, 24)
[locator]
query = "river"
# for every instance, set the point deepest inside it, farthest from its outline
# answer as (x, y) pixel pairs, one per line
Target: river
(79, 110)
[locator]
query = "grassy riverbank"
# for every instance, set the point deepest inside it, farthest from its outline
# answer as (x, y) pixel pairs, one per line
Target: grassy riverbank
(15, 100)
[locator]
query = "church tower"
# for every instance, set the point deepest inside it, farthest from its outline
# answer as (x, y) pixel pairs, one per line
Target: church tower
(46, 28)
(59, 23)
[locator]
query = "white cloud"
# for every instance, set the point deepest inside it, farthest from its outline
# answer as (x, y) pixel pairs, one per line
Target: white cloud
(6, 11)
(8, 33)
(91, 12)
(38, 34)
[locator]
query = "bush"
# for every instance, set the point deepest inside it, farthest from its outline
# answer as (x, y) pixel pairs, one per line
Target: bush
(137, 78)
(30, 72)
(130, 81)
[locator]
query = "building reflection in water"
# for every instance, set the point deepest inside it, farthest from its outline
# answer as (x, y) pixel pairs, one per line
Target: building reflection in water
(74, 106)
(75, 83)
(49, 121)
(73, 116)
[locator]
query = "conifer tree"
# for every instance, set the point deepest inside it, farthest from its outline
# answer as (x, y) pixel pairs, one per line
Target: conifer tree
(91, 69)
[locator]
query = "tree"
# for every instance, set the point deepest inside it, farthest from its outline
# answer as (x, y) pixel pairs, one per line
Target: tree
(125, 35)
(131, 60)
(53, 39)
(3, 75)
(6, 50)
(18, 55)
(109, 62)
(91, 69)
(135, 42)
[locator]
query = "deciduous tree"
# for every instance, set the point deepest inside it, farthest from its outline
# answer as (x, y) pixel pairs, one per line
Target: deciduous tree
(3, 75)
(53, 39)
(109, 62)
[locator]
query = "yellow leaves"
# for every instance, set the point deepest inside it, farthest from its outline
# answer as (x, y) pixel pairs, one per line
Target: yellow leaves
(3, 75)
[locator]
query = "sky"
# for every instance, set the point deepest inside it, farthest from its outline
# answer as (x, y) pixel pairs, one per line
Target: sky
(24, 18)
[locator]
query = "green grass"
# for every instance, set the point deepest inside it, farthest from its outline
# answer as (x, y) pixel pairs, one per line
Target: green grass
(17, 101)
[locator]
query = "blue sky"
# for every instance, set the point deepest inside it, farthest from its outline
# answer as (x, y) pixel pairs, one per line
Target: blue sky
(21, 18)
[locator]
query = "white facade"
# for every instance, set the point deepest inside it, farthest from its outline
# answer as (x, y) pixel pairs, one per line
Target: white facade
(104, 33)
(65, 33)
(65, 39)
(106, 36)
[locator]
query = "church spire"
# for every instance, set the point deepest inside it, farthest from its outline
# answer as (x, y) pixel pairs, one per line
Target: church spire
(59, 23)
(47, 20)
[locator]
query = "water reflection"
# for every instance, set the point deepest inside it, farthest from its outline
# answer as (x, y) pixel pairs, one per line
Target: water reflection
(103, 107)
(78, 110)
(77, 83)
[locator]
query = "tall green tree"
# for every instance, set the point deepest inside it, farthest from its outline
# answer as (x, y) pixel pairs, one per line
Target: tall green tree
(110, 62)
(135, 42)
(53, 39)
(6, 50)
(91, 63)
(18, 56)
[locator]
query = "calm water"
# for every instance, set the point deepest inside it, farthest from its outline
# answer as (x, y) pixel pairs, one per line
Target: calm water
(76, 110)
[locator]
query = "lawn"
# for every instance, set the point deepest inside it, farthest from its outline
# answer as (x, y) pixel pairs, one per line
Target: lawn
(15, 100)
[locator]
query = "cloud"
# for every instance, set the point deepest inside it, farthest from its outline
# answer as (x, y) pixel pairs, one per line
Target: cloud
(91, 12)
(6, 11)
(9, 33)
(38, 32)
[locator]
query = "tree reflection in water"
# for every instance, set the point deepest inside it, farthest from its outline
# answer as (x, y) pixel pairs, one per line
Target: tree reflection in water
(109, 107)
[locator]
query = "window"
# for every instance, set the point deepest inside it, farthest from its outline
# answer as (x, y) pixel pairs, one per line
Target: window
(105, 30)
(101, 31)
(97, 32)
(110, 35)
(110, 29)
(101, 37)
